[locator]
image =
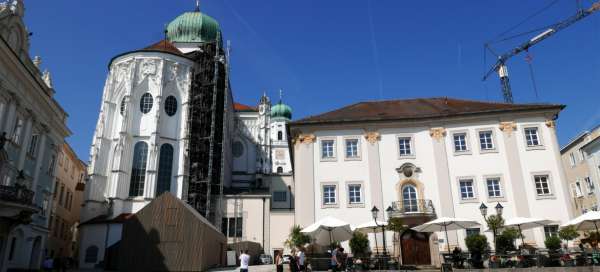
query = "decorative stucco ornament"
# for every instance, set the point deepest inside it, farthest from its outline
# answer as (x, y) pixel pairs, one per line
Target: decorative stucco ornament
(551, 123)
(437, 133)
(373, 137)
(508, 127)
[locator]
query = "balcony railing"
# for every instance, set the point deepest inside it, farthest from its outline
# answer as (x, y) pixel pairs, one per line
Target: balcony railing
(415, 206)
(17, 193)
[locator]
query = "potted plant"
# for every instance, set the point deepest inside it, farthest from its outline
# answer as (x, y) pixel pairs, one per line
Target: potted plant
(568, 233)
(477, 245)
(552, 243)
(359, 244)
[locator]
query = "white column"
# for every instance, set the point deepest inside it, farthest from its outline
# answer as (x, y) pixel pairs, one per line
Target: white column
(40, 158)
(25, 141)
(10, 116)
(3, 106)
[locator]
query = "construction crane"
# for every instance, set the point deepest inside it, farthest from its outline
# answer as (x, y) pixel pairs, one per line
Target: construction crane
(500, 65)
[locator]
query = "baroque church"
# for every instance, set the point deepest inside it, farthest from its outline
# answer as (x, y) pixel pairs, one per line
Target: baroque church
(168, 123)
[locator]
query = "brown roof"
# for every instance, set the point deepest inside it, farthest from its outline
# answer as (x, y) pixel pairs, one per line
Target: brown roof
(164, 46)
(420, 108)
(103, 219)
(242, 107)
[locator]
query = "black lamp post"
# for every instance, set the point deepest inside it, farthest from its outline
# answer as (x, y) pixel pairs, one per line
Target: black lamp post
(483, 209)
(374, 213)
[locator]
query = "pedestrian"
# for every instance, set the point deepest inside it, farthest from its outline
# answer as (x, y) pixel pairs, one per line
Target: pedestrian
(334, 262)
(279, 262)
(301, 259)
(48, 265)
(293, 261)
(244, 261)
(341, 259)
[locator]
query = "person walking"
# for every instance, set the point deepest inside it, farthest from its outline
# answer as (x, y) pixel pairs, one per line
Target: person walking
(279, 262)
(301, 259)
(293, 261)
(244, 261)
(334, 261)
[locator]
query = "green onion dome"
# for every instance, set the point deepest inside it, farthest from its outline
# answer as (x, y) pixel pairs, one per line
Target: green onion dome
(193, 27)
(281, 110)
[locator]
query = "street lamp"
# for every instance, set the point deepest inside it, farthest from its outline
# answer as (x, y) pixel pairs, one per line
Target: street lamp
(374, 213)
(483, 209)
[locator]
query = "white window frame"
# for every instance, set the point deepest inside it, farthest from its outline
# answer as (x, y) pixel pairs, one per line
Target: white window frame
(413, 151)
(473, 180)
(360, 204)
(33, 145)
(18, 131)
(549, 180)
(337, 195)
(358, 148)
(334, 157)
(591, 187)
(540, 145)
(467, 151)
(494, 148)
(572, 160)
(502, 197)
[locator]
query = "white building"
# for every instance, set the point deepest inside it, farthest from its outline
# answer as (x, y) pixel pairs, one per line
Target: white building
(32, 132)
(428, 158)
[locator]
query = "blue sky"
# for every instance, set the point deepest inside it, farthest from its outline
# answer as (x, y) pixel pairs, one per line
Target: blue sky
(327, 54)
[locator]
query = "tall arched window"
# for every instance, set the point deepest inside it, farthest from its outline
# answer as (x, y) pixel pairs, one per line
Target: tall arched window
(138, 169)
(171, 105)
(165, 169)
(279, 170)
(279, 135)
(146, 103)
(409, 198)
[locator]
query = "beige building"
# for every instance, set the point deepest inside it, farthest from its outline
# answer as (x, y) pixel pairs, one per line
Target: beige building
(579, 177)
(66, 205)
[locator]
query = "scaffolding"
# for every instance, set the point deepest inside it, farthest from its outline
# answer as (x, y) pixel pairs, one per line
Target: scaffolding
(206, 128)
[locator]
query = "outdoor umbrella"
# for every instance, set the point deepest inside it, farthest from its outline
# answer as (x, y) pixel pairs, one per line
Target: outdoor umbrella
(445, 224)
(329, 230)
(523, 223)
(586, 221)
(372, 227)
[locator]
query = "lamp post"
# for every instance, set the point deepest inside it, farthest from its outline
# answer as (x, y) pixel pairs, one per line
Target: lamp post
(483, 209)
(374, 213)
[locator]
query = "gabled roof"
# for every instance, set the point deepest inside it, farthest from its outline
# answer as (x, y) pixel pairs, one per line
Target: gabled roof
(420, 108)
(164, 46)
(242, 107)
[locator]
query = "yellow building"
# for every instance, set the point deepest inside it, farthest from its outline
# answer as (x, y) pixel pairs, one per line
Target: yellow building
(66, 204)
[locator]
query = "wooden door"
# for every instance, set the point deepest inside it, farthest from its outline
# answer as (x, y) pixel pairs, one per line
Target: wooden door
(415, 248)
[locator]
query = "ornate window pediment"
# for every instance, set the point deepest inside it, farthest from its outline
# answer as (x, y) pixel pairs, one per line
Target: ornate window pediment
(408, 170)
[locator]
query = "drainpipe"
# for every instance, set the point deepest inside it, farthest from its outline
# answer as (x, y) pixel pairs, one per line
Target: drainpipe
(263, 225)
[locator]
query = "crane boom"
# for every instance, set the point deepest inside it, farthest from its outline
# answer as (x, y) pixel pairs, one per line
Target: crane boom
(500, 65)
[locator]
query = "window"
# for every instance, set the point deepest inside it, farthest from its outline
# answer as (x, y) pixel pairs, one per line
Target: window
(493, 187)
(165, 169)
(550, 230)
(532, 137)
(122, 107)
(460, 142)
(329, 195)
(542, 185)
(237, 149)
(33, 145)
(351, 148)
(279, 136)
(138, 169)
(91, 254)
(146, 103)
(279, 170)
(485, 140)
(280, 196)
(576, 188)
(328, 149)
(52, 165)
(409, 199)
(55, 189)
(354, 194)
(590, 185)
(466, 189)
(171, 105)
(404, 146)
(234, 227)
(17, 131)
(60, 197)
(472, 231)
(572, 159)
(581, 155)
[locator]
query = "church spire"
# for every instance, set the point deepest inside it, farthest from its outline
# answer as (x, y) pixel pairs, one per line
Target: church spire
(197, 6)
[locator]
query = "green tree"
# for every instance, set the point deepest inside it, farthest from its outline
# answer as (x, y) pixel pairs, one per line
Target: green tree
(296, 238)
(506, 240)
(568, 233)
(396, 225)
(477, 245)
(359, 244)
(552, 243)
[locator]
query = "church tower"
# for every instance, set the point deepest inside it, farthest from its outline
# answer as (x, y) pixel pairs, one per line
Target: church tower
(281, 115)
(263, 158)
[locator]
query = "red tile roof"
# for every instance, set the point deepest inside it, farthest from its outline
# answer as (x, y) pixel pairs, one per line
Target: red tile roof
(420, 108)
(242, 107)
(164, 46)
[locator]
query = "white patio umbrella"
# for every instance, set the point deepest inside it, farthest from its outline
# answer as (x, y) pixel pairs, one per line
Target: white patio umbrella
(329, 230)
(445, 224)
(587, 221)
(372, 227)
(524, 223)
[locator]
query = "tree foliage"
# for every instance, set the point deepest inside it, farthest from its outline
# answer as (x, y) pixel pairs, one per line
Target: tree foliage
(568, 233)
(552, 243)
(359, 244)
(395, 224)
(296, 238)
(506, 240)
(477, 243)
(495, 222)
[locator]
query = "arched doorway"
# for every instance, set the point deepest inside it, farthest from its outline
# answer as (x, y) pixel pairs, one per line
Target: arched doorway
(415, 248)
(36, 250)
